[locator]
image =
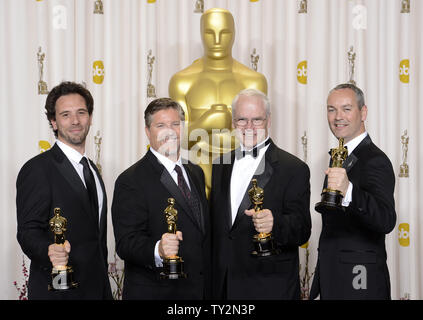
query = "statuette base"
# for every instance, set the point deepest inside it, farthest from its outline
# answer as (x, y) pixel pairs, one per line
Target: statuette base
(173, 268)
(264, 245)
(62, 279)
(331, 200)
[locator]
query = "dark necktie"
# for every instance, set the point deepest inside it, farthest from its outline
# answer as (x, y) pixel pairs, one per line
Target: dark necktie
(90, 183)
(192, 199)
(182, 183)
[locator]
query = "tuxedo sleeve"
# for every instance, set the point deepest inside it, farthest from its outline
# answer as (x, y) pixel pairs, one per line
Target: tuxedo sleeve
(33, 197)
(130, 214)
(292, 224)
(373, 202)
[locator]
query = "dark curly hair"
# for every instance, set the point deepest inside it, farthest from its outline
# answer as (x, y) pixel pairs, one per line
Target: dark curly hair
(64, 89)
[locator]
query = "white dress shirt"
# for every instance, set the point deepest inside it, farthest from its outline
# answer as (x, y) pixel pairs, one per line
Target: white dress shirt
(74, 158)
(170, 167)
(242, 173)
(351, 145)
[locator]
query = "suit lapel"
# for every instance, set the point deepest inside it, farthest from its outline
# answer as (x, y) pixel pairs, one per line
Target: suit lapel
(225, 187)
(349, 162)
(67, 170)
(265, 170)
(196, 191)
(168, 182)
(103, 217)
(354, 156)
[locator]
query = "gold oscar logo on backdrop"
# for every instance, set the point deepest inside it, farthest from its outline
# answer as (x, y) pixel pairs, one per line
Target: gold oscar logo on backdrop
(199, 6)
(151, 89)
(304, 143)
(404, 170)
(351, 65)
(254, 57)
(98, 7)
(302, 72)
(303, 6)
(97, 142)
(404, 71)
(404, 234)
(98, 72)
(405, 6)
(42, 85)
(43, 145)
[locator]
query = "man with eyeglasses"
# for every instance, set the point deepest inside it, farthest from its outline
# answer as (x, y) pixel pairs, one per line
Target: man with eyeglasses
(139, 221)
(237, 274)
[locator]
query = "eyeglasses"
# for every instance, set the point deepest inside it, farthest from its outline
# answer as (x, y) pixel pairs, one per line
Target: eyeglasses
(257, 122)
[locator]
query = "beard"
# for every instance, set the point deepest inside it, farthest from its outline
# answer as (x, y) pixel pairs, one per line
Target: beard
(75, 139)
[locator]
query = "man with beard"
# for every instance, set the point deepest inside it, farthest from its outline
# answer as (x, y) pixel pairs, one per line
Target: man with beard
(237, 274)
(141, 205)
(64, 178)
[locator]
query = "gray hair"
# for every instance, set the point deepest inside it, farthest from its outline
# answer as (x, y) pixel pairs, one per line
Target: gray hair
(250, 92)
(359, 95)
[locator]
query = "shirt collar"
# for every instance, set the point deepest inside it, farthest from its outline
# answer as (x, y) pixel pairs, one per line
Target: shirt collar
(70, 152)
(351, 145)
(165, 161)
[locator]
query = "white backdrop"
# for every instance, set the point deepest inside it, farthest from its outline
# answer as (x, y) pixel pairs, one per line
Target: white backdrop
(73, 38)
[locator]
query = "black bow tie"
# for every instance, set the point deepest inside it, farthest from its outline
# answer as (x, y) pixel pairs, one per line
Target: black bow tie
(253, 152)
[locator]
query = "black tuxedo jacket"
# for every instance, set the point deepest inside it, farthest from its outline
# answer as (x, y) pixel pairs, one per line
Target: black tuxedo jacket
(140, 197)
(352, 257)
(236, 273)
(45, 182)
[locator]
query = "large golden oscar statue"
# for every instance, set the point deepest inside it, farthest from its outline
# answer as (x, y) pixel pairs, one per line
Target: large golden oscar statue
(206, 89)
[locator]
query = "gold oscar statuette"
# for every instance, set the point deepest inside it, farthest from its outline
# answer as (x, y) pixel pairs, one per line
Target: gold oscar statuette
(303, 6)
(351, 64)
(61, 276)
(205, 90)
(405, 6)
(199, 6)
(304, 143)
(98, 7)
(151, 90)
(332, 199)
(97, 142)
(404, 166)
(264, 244)
(254, 59)
(173, 266)
(42, 85)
